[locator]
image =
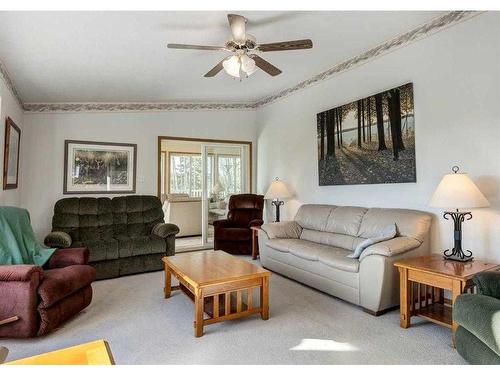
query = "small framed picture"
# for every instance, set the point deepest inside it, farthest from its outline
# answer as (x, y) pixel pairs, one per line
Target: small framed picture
(99, 167)
(11, 155)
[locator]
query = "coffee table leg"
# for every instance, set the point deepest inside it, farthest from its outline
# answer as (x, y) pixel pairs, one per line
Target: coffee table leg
(198, 313)
(264, 298)
(404, 298)
(168, 282)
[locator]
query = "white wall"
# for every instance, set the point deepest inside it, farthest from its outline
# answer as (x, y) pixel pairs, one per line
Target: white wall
(456, 77)
(9, 107)
(42, 174)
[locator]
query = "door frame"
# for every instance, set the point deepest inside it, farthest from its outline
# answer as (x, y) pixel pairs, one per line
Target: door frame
(245, 174)
(203, 140)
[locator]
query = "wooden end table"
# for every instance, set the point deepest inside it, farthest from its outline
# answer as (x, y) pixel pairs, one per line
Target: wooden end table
(255, 242)
(422, 284)
(221, 286)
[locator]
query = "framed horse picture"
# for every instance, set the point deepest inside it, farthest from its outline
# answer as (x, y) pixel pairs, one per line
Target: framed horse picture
(99, 167)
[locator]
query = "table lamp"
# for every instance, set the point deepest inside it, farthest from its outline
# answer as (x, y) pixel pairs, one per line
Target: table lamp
(277, 191)
(457, 191)
(217, 189)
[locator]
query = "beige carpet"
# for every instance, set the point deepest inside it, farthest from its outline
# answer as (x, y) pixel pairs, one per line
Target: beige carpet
(306, 327)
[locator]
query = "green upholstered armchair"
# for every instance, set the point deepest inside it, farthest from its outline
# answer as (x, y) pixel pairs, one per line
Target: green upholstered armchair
(478, 315)
(124, 235)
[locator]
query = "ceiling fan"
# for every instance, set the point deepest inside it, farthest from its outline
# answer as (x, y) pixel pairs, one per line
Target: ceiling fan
(244, 61)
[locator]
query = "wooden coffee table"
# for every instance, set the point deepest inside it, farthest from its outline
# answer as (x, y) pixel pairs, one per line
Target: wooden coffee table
(422, 284)
(221, 286)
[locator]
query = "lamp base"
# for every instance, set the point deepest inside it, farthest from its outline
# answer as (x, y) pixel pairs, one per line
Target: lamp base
(277, 203)
(457, 253)
(458, 257)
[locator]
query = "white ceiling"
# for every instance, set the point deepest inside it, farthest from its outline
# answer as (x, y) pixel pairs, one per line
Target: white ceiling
(55, 57)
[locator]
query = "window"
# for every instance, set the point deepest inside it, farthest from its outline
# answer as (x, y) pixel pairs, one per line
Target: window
(229, 173)
(186, 174)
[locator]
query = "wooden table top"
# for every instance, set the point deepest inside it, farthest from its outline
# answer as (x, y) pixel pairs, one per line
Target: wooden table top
(438, 265)
(91, 353)
(204, 268)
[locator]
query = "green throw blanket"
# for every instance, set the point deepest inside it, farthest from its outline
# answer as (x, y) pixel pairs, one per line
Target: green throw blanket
(18, 244)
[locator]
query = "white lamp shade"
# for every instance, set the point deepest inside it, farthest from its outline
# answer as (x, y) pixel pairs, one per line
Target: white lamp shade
(218, 188)
(247, 64)
(456, 190)
(278, 190)
(232, 66)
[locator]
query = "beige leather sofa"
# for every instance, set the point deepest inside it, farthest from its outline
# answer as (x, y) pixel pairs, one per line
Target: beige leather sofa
(313, 250)
(185, 212)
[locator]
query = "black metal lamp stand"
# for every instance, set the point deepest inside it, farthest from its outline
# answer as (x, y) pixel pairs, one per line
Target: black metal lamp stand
(457, 253)
(277, 203)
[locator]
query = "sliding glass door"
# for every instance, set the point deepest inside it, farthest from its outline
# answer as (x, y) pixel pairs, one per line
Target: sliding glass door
(225, 172)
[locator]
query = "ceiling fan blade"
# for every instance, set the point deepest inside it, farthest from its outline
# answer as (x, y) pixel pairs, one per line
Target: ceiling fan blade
(285, 46)
(193, 46)
(266, 66)
(215, 70)
(238, 27)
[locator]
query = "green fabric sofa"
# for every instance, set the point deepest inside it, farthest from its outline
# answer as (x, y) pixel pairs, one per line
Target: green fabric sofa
(478, 315)
(124, 235)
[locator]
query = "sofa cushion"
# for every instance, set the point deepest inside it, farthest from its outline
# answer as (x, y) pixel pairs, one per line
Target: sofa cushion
(409, 223)
(100, 250)
(136, 215)
(234, 234)
(388, 233)
(313, 216)
(132, 246)
(331, 256)
(337, 258)
(331, 239)
(345, 220)
(59, 283)
(84, 219)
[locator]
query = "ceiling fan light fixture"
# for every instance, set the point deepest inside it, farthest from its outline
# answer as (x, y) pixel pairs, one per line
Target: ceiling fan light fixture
(247, 65)
(232, 66)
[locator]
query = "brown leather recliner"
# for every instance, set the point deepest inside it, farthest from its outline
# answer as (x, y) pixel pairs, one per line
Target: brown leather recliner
(43, 298)
(233, 235)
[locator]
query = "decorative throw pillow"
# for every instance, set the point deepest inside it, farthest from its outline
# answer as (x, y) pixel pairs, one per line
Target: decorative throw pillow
(58, 239)
(387, 233)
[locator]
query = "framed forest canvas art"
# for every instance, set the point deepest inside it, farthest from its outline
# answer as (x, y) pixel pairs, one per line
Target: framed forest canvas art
(368, 141)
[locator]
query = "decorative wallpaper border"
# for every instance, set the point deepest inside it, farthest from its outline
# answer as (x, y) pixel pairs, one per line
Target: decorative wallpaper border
(433, 26)
(10, 84)
(131, 107)
(420, 32)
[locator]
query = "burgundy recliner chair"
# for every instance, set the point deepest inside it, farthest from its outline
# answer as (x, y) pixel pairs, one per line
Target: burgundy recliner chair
(233, 235)
(36, 300)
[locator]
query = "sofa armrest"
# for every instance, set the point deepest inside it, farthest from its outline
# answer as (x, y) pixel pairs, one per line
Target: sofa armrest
(19, 272)
(255, 223)
(18, 297)
(480, 315)
(488, 284)
(58, 240)
(282, 229)
(394, 246)
(165, 230)
(68, 257)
